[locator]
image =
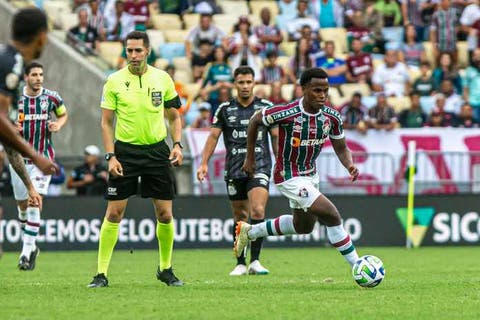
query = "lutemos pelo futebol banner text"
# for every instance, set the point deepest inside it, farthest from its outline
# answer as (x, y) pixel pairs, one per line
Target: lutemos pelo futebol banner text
(71, 223)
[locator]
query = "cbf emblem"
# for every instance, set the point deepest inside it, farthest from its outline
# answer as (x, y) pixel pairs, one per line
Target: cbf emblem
(156, 98)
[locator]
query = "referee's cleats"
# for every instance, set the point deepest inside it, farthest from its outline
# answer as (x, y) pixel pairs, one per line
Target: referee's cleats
(168, 277)
(33, 257)
(99, 281)
(23, 263)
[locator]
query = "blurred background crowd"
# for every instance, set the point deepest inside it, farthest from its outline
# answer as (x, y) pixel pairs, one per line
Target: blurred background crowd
(392, 63)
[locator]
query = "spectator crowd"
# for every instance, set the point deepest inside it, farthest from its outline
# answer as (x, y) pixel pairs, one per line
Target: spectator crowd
(391, 63)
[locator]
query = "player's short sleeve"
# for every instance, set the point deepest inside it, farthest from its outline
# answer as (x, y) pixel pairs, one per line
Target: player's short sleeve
(336, 126)
(58, 104)
(109, 98)
(218, 120)
(274, 115)
(172, 100)
(9, 80)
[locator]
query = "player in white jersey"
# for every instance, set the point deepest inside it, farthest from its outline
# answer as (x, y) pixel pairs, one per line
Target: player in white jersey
(36, 125)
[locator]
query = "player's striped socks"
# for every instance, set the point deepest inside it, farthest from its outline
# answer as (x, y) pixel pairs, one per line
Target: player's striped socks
(31, 231)
(22, 218)
(108, 239)
(282, 225)
(165, 235)
(256, 245)
(340, 239)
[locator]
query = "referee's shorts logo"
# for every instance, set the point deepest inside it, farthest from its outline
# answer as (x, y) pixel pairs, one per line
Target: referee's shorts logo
(112, 191)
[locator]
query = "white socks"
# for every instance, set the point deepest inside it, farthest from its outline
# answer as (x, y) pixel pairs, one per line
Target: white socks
(31, 231)
(340, 239)
(282, 225)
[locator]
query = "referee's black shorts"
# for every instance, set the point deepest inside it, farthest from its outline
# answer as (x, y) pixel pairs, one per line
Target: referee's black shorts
(151, 164)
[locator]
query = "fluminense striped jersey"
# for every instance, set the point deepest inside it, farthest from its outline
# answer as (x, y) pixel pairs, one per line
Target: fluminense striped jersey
(34, 114)
(301, 137)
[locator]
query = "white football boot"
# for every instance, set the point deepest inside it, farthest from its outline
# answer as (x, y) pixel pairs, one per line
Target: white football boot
(239, 270)
(256, 268)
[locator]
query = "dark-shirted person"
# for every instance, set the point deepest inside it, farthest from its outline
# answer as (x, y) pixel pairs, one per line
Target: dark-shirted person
(137, 97)
(27, 40)
(413, 117)
(382, 115)
(355, 114)
(248, 196)
(90, 178)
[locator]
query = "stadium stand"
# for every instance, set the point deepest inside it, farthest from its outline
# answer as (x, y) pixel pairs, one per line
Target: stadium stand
(165, 21)
(237, 8)
(257, 6)
(176, 35)
(225, 22)
(110, 51)
(171, 50)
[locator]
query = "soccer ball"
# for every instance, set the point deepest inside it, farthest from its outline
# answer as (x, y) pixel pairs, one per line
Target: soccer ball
(368, 271)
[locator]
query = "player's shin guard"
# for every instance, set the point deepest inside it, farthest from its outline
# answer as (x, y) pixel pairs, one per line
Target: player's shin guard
(256, 245)
(242, 258)
(340, 239)
(31, 231)
(165, 236)
(282, 225)
(108, 239)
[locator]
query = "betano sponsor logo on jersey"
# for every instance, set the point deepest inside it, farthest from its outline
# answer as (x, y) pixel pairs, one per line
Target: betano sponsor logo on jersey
(32, 117)
(297, 142)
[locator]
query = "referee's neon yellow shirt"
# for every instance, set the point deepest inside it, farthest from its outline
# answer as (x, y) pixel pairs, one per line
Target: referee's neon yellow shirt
(139, 102)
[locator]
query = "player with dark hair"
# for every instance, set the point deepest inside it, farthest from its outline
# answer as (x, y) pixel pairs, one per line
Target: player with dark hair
(36, 125)
(137, 97)
(304, 127)
(28, 38)
(248, 195)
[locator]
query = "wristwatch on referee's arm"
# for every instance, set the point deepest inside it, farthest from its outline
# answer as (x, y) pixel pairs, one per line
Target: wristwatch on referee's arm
(180, 145)
(109, 156)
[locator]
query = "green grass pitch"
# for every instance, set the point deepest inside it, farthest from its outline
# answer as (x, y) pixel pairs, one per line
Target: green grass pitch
(313, 283)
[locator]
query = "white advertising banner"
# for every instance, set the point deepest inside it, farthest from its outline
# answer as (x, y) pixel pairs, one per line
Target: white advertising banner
(448, 161)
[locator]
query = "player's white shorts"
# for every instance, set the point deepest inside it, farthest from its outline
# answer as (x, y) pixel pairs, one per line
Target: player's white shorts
(39, 181)
(301, 191)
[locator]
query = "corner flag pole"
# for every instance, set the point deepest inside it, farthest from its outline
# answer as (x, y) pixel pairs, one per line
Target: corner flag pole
(411, 191)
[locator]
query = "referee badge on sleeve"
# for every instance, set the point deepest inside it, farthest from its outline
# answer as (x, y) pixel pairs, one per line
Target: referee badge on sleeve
(156, 98)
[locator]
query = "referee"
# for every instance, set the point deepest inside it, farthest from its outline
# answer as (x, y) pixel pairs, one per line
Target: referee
(138, 96)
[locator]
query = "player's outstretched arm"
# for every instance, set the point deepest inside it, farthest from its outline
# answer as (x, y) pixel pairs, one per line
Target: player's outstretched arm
(252, 132)
(208, 150)
(345, 157)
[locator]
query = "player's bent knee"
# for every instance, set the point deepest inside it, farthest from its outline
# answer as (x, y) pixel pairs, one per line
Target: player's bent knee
(258, 212)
